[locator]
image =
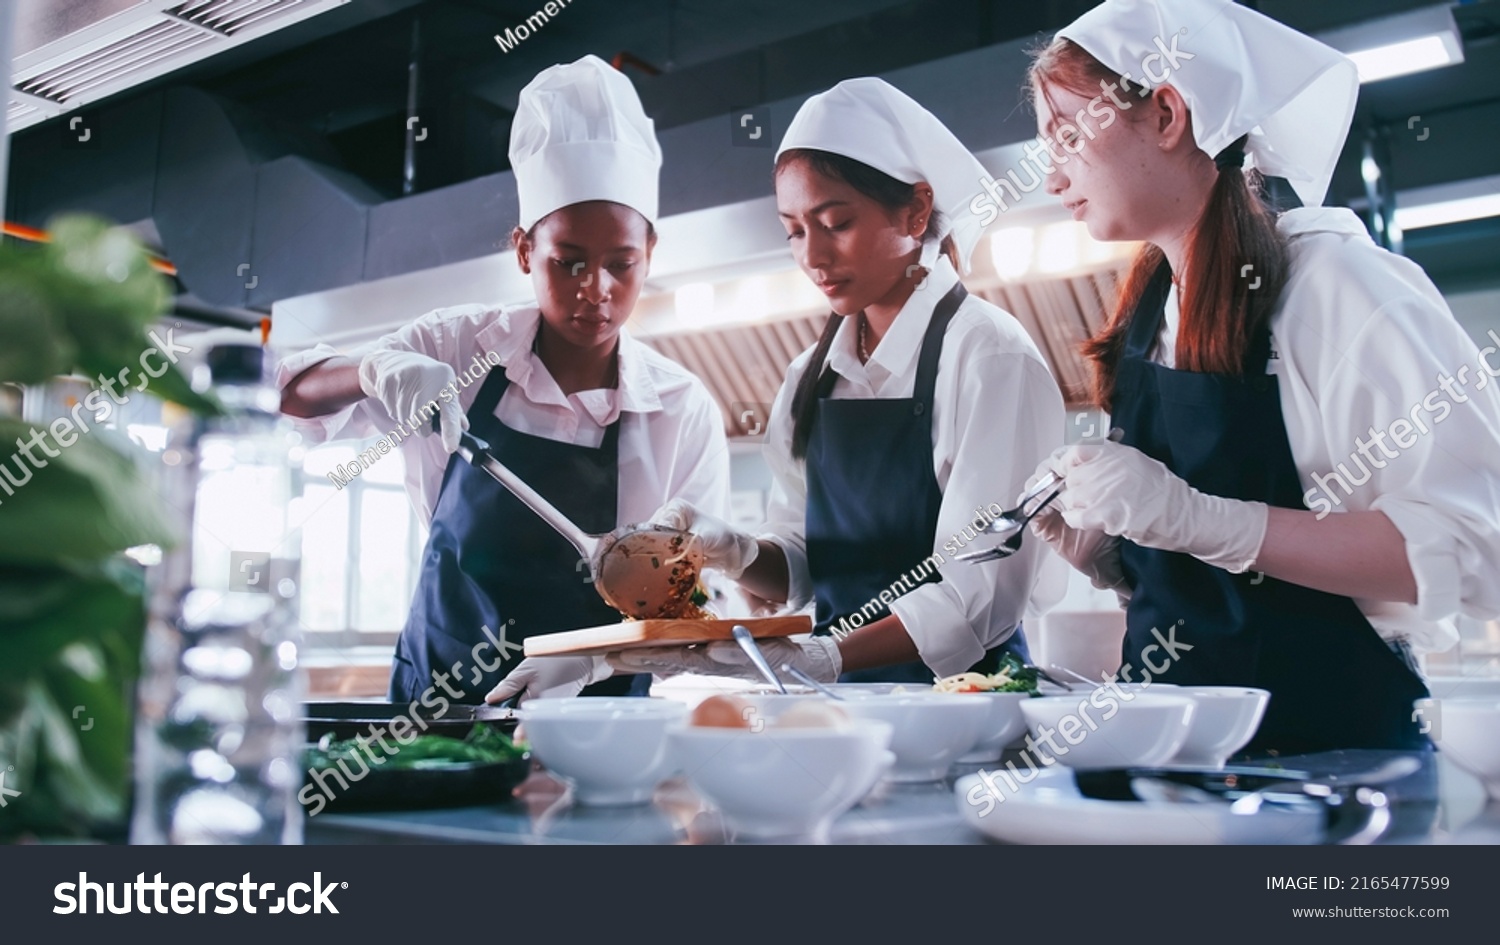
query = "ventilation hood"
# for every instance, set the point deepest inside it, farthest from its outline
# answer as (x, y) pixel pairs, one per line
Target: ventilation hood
(70, 53)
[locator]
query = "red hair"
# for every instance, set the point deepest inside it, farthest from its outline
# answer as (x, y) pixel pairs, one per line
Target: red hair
(1221, 315)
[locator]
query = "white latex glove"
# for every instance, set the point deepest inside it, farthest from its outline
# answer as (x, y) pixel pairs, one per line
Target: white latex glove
(818, 657)
(404, 382)
(724, 548)
(550, 677)
(1094, 553)
(1121, 491)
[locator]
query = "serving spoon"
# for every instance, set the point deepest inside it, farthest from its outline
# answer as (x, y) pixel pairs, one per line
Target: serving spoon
(747, 643)
(807, 680)
(640, 570)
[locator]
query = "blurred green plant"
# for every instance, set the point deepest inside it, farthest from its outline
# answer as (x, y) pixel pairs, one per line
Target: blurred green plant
(72, 606)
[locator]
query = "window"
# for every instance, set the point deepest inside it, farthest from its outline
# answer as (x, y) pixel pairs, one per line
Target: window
(361, 548)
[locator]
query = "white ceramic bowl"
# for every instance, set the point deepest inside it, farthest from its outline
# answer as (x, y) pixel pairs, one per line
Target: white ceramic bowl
(1224, 721)
(1143, 731)
(782, 782)
(931, 730)
(612, 751)
(1002, 726)
(1465, 730)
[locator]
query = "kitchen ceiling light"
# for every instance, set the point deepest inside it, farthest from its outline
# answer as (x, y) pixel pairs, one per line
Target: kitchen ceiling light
(1012, 250)
(1455, 202)
(694, 303)
(1392, 46)
(1448, 211)
(1058, 247)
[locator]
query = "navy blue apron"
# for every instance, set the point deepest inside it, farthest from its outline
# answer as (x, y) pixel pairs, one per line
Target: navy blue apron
(492, 562)
(1333, 682)
(873, 500)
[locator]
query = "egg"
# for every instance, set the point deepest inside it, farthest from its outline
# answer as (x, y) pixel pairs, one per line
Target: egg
(812, 714)
(722, 712)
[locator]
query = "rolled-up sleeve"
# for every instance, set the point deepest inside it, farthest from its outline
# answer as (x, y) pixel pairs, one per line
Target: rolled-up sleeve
(1413, 404)
(997, 414)
(432, 335)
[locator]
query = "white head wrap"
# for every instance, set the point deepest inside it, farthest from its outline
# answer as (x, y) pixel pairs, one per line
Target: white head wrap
(1240, 72)
(873, 122)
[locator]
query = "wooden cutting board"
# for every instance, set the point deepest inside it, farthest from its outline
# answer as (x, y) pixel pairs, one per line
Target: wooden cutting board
(645, 633)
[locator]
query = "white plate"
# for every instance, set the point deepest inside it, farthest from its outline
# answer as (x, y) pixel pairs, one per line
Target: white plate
(1050, 809)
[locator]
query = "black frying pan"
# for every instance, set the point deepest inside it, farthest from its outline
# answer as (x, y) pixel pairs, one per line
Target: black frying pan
(348, 719)
(380, 788)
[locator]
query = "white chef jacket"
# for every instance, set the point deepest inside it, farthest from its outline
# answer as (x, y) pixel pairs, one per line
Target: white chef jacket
(671, 441)
(997, 412)
(1360, 339)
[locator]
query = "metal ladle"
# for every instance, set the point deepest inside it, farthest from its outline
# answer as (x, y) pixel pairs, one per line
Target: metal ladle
(632, 567)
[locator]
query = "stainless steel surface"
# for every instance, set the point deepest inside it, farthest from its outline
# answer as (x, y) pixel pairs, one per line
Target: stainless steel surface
(1438, 804)
(747, 643)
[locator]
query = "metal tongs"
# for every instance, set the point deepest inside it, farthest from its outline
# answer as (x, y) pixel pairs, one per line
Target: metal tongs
(1011, 524)
(1356, 811)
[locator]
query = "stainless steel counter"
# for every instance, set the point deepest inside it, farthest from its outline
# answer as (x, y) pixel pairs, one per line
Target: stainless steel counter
(1438, 804)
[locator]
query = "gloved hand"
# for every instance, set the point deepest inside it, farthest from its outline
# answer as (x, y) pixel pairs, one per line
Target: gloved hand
(724, 548)
(818, 657)
(550, 677)
(1121, 491)
(404, 382)
(1094, 553)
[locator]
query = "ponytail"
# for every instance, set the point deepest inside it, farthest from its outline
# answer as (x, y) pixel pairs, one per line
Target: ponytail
(1237, 264)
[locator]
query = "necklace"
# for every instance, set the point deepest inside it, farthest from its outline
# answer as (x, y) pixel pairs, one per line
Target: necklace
(864, 355)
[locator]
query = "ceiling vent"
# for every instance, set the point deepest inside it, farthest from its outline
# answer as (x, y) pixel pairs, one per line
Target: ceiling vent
(80, 51)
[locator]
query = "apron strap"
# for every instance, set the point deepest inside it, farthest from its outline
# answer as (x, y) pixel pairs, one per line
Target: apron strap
(490, 392)
(932, 348)
(927, 359)
(1145, 321)
(1258, 355)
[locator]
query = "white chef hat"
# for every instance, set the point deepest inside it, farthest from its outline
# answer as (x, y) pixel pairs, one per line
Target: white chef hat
(1240, 72)
(579, 134)
(877, 124)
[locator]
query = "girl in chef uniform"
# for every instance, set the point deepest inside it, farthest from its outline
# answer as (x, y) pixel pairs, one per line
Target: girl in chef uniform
(1306, 488)
(919, 408)
(603, 427)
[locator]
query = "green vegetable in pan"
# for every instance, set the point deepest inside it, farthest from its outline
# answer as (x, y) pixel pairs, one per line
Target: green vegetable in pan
(484, 745)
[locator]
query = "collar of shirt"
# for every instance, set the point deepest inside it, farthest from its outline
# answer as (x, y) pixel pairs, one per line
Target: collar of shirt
(511, 336)
(896, 354)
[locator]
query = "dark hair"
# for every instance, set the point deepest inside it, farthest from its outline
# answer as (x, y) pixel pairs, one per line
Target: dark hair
(1221, 316)
(891, 194)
